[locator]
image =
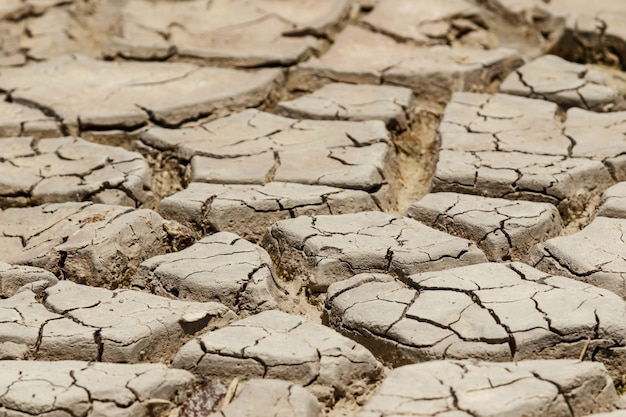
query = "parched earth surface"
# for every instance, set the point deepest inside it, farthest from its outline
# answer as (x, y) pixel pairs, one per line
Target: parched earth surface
(368, 208)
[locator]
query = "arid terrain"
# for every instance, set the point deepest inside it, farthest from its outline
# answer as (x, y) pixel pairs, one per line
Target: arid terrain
(368, 208)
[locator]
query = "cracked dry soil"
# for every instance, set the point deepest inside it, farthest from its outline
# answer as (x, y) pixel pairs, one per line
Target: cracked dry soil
(338, 208)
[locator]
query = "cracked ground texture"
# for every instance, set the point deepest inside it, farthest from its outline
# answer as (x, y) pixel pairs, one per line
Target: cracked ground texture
(20, 120)
(515, 147)
(613, 202)
(322, 250)
(274, 344)
(503, 229)
(596, 254)
(264, 32)
(568, 84)
(15, 277)
(466, 389)
(222, 267)
(254, 147)
(129, 95)
(58, 170)
(74, 388)
(329, 208)
(488, 311)
(95, 244)
(341, 101)
(433, 72)
(72, 321)
(248, 210)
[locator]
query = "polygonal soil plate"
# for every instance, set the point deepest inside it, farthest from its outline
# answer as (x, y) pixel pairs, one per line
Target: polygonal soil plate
(481, 389)
(278, 345)
(322, 250)
(96, 244)
(501, 122)
(79, 322)
(221, 267)
(248, 210)
(14, 277)
(20, 120)
(431, 72)
(54, 388)
(503, 229)
(443, 22)
(340, 101)
(71, 169)
(516, 147)
(127, 95)
(599, 136)
(595, 255)
(38, 30)
(227, 32)
(14, 9)
(568, 84)
(613, 202)
(506, 123)
(252, 147)
(489, 311)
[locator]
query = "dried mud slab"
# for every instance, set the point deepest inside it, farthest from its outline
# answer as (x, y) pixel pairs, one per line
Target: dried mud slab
(226, 32)
(222, 267)
(516, 147)
(68, 169)
(94, 244)
(72, 321)
(504, 123)
(13, 278)
(278, 345)
(128, 95)
(599, 136)
(552, 78)
(613, 202)
(16, 9)
(596, 255)
(40, 30)
(48, 38)
(79, 389)
(36, 30)
(340, 101)
(248, 210)
(20, 120)
(490, 311)
(502, 229)
(271, 398)
(564, 388)
(321, 250)
(433, 73)
(253, 147)
(444, 22)
(576, 30)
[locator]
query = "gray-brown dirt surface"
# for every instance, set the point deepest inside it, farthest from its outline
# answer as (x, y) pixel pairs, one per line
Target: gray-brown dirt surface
(365, 208)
